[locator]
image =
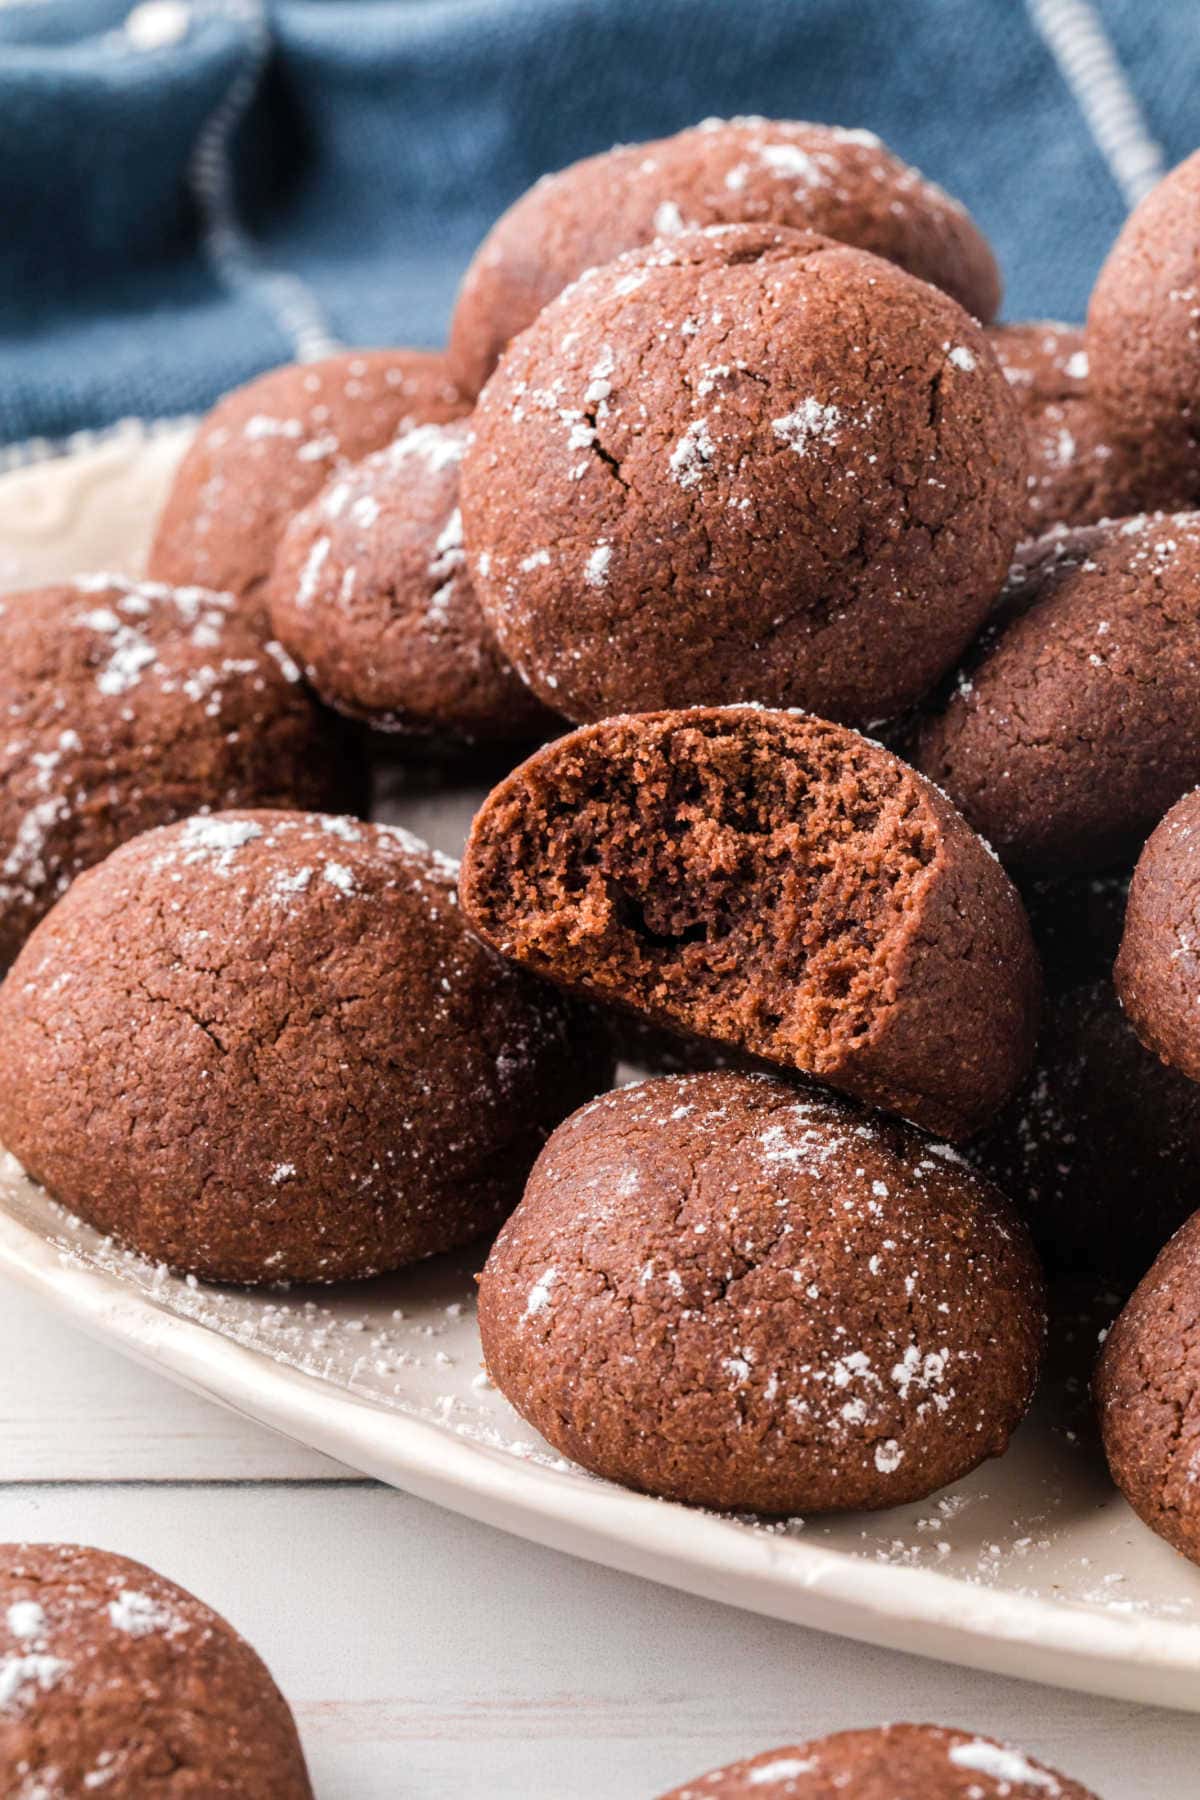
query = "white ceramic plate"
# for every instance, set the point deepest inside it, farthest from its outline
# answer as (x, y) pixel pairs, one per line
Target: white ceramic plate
(1032, 1566)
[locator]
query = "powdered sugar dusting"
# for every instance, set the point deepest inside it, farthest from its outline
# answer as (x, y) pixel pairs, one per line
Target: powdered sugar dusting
(691, 455)
(1001, 1764)
(26, 1619)
(780, 1768)
(809, 421)
(595, 570)
(539, 1294)
(22, 1677)
(137, 1614)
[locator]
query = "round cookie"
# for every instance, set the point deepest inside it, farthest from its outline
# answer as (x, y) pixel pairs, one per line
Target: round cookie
(1076, 720)
(927, 1761)
(1077, 473)
(127, 705)
(845, 184)
(268, 448)
(721, 1290)
(1143, 333)
(1100, 1147)
(774, 883)
(767, 466)
(114, 1680)
(370, 593)
(1158, 965)
(1147, 1391)
(263, 1045)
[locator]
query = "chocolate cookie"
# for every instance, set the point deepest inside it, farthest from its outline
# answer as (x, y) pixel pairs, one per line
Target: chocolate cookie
(721, 1290)
(767, 467)
(891, 1762)
(772, 882)
(263, 1045)
(1100, 1147)
(115, 1681)
(1076, 721)
(1158, 966)
(1147, 1390)
(845, 184)
(370, 592)
(1077, 473)
(267, 449)
(127, 705)
(1143, 334)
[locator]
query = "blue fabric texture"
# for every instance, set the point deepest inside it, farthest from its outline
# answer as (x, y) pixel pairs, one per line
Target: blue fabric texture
(198, 189)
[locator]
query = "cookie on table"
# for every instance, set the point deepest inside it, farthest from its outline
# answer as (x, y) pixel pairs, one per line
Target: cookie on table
(846, 184)
(1100, 1147)
(268, 448)
(775, 883)
(725, 1291)
(262, 1045)
(1158, 966)
(370, 593)
(1075, 722)
(114, 1680)
(766, 467)
(1143, 333)
(127, 705)
(1078, 473)
(1147, 1391)
(929, 1762)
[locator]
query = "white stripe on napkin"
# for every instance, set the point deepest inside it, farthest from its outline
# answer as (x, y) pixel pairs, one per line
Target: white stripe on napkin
(1090, 67)
(229, 247)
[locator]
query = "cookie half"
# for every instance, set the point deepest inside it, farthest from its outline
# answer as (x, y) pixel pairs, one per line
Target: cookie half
(772, 882)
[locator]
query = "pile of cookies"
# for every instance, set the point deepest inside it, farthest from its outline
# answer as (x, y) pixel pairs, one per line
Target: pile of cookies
(860, 636)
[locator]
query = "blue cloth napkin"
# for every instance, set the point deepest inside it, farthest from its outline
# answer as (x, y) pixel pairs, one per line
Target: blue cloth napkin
(193, 190)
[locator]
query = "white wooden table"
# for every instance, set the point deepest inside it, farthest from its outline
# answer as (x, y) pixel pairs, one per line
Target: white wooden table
(427, 1656)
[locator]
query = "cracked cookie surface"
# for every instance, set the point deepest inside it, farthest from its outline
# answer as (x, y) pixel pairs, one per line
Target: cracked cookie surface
(1075, 722)
(844, 184)
(723, 1290)
(370, 592)
(263, 1045)
(1147, 1391)
(774, 883)
(742, 464)
(114, 1680)
(126, 705)
(1078, 472)
(268, 448)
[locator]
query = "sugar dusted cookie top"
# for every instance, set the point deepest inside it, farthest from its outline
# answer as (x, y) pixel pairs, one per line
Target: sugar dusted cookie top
(370, 592)
(115, 1681)
(125, 705)
(889, 1763)
(268, 448)
(726, 1291)
(844, 183)
(264, 1045)
(1079, 471)
(1075, 722)
(742, 464)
